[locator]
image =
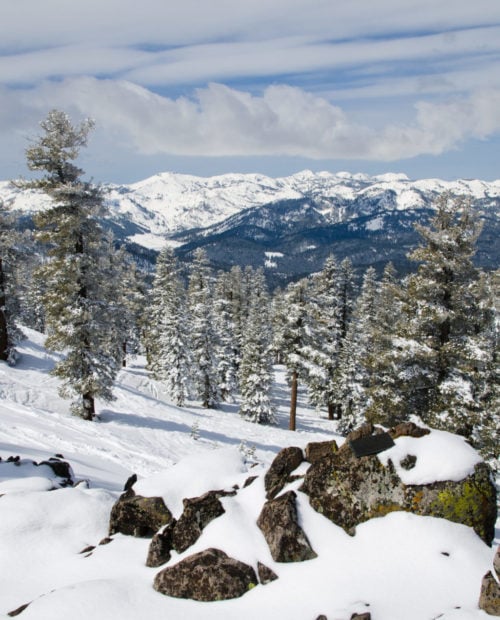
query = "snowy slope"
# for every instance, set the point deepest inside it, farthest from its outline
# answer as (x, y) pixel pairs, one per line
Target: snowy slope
(168, 202)
(400, 566)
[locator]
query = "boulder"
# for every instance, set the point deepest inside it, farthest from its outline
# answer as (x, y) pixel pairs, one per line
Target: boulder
(316, 450)
(364, 616)
(278, 522)
(278, 474)
(266, 574)
(138, 516)
(408, 429)
(489, 599)
(349, 490)
(161, 546)
(210, 575)
(62, 470)
(197, 514)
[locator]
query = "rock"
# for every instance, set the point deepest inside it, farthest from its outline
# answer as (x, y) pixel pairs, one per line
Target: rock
(496, 562)
(138, 516)
(130, 482)
(161, 546)
(278, 474)
(210, 575)
(489, 599)
(316, 450)
(408, 429)
(62, 470)
(266, 575)
(350, 490)
(197, 514)
(365, 616)
(18, 611)
(286, 539)
(409, 462)
(322, 617)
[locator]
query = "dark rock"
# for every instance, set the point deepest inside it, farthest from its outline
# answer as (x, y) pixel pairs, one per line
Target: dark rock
(197, 514)
(364, 616)
(106, 540)
(408, 429)
(210, 575)
(278, 474)
(138, 516)
(266, 574)
(87, 549)
(371, 444)
(489, 599)
(62, 470)
(249, 481)
(363, 431)
(286, 539)
(130, 482)
(409, 462)
(18, 611)
(161, 546)
(322, 617)
(316, 450)
(350, 490)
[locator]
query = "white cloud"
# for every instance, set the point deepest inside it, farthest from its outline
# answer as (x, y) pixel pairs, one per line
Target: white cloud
(220, 121)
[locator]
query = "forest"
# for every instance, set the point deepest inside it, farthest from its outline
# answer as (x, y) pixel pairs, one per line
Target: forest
(383, 350)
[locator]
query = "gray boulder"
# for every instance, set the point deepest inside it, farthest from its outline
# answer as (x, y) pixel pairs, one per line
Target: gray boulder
(138, 516)
(489, 598)
(349, 490)
(278, 474)
(210, 575)
(279, 523)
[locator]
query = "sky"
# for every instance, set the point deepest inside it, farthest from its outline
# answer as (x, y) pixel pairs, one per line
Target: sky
(210, 87)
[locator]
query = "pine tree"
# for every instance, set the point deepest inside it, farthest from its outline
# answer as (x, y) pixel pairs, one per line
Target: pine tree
(330, 307)
(295, 338)
(203, 339)
(256, 362)
(353, 375)
(80, 317)
(166, 338)
(228, 348)
(9, 332)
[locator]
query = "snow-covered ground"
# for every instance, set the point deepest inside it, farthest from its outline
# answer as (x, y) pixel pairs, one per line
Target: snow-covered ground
(399, 566)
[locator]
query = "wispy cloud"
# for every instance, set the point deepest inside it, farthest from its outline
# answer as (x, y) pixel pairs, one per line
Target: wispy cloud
(351, 79)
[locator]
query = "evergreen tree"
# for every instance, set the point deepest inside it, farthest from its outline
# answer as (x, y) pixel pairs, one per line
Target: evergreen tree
(169, 358)
(228, 348)
(9, 332)
(256, 362)
(79, 316)
(353, 375)
(203, 339)
(295, 337)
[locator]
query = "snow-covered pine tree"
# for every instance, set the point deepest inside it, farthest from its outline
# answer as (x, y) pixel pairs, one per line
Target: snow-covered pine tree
(9, 332)
(165, 330)
(294, 339)
(445, 312)
(353, 376)
(256, 375)
(389, 362)
(203, 338)
(228, 348)
(79, 318)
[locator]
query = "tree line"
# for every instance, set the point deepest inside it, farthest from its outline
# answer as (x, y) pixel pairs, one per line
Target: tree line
(390, 349)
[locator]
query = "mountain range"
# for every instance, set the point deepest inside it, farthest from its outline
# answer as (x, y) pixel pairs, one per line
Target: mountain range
(286, 225)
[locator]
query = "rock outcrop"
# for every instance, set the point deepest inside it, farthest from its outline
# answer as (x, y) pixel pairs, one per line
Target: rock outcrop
(138, 516)
(349, 490)
(210, 575)
(278, 522)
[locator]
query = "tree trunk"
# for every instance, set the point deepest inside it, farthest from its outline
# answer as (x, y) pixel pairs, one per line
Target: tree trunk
(88, 406)
(124, 360)
(293, 402)
(331, 410)
(4, 338)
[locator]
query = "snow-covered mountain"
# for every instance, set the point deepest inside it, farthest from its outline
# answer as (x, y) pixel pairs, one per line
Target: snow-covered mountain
(190, 211)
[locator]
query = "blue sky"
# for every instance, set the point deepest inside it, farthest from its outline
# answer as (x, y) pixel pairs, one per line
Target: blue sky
(208, 87)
